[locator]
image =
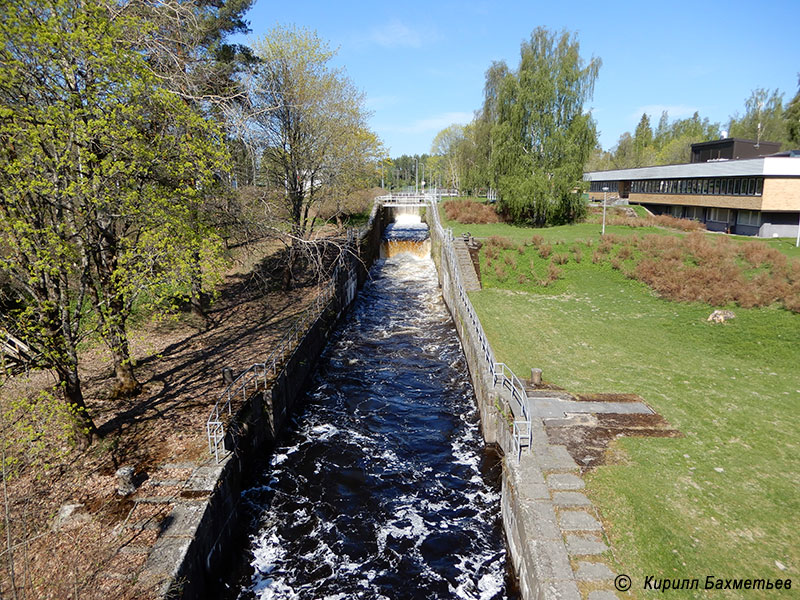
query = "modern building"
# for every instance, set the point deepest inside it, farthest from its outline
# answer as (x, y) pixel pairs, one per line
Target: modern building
(747, 195)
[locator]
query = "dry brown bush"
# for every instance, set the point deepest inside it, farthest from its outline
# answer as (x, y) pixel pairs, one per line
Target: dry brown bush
(501, 242)
(544, 250)
(537, 240)
(510, 260)
(561, 258)
(470, 212)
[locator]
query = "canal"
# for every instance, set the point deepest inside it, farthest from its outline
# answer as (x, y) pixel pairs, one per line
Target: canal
(381, 487)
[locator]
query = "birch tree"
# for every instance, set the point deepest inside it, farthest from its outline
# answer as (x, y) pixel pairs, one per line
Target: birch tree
(310, 125)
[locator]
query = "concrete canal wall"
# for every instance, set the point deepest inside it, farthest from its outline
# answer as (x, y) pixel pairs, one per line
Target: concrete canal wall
(545, 515)
(192, 548)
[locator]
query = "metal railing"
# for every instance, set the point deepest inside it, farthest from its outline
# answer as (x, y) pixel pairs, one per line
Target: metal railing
(501, 373)
(247, 382)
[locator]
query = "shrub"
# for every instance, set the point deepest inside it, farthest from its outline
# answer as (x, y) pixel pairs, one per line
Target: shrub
(470, 212)
(500, 242)
(561, 258)
(545, 250)
(553, 272)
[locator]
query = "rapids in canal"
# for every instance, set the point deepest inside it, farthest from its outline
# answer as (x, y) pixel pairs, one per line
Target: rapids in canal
(380, 487)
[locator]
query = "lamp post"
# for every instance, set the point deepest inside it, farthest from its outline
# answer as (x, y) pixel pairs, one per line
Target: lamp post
(605, 191)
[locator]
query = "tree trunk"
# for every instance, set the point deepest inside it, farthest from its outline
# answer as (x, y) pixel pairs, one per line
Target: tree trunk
(196, 297)
(127, 384)
(288, 270)
(83, 427)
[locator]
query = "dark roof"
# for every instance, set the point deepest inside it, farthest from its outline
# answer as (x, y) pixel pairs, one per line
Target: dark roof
(731, 139)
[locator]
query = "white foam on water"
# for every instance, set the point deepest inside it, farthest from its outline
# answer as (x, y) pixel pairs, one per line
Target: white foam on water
(409, 219)
(323, 432)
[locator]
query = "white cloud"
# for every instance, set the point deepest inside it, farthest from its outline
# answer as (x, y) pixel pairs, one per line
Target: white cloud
(396, 34)
(432, 124)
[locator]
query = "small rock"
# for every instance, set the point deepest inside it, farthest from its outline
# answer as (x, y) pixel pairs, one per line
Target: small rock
(780, 565)
(719, 469)
(125, 483)
(720, 316)
(67, 515)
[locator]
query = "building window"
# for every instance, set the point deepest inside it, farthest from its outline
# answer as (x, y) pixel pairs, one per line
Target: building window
(748, 217)
(751, 187)
(720, 215)
(676, 211)
(693, 212)
(705, 187)
(759, 186)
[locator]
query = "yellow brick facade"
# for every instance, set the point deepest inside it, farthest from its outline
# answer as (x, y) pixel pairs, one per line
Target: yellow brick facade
(781, 194)
(738, 202)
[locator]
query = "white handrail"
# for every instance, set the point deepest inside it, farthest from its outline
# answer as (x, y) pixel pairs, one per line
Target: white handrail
(501, 373)
(258, 372)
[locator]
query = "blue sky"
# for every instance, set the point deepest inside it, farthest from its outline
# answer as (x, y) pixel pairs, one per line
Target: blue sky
(422, 64)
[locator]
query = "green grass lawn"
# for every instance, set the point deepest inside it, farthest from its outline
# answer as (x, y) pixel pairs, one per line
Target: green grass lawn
(721, 500)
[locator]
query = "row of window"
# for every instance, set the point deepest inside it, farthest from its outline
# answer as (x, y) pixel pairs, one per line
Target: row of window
(729, 186)
(719, 215)
(597, 186)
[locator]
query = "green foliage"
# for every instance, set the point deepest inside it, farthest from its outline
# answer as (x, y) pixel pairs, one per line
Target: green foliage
(102, 171)
(792, 117)
(542, 138)
(309, 122)
(36, 433)
(763, 119)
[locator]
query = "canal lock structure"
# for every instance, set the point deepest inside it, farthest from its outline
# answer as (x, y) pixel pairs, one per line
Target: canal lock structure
(381, 486)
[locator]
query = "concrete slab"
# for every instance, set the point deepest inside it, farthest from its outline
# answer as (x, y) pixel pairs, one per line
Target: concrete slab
(166, 557)
(533, 491)
(550, 558)
(578, 545)
(559, 408)
(204, 479)
(183, 520)
(562, 589)
(570, 499)
(578, 520)
(540, 521)
(593, 571)
(602, 595)
(564, 481)
(556, 458)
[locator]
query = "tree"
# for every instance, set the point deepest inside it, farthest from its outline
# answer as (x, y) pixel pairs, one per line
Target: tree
(763, 118)
(446, 144)
(99, 166)
(542, 138)
(309, 122)
(792, 118)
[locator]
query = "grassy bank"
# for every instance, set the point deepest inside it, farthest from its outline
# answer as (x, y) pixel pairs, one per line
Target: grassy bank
(721, 500)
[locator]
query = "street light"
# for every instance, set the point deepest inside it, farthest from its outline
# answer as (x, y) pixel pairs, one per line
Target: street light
(605, 190)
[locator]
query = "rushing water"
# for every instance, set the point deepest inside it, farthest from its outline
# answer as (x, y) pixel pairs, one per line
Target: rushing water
(381, 488)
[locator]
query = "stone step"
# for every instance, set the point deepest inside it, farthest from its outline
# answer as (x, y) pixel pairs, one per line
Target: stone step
(469, 278)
